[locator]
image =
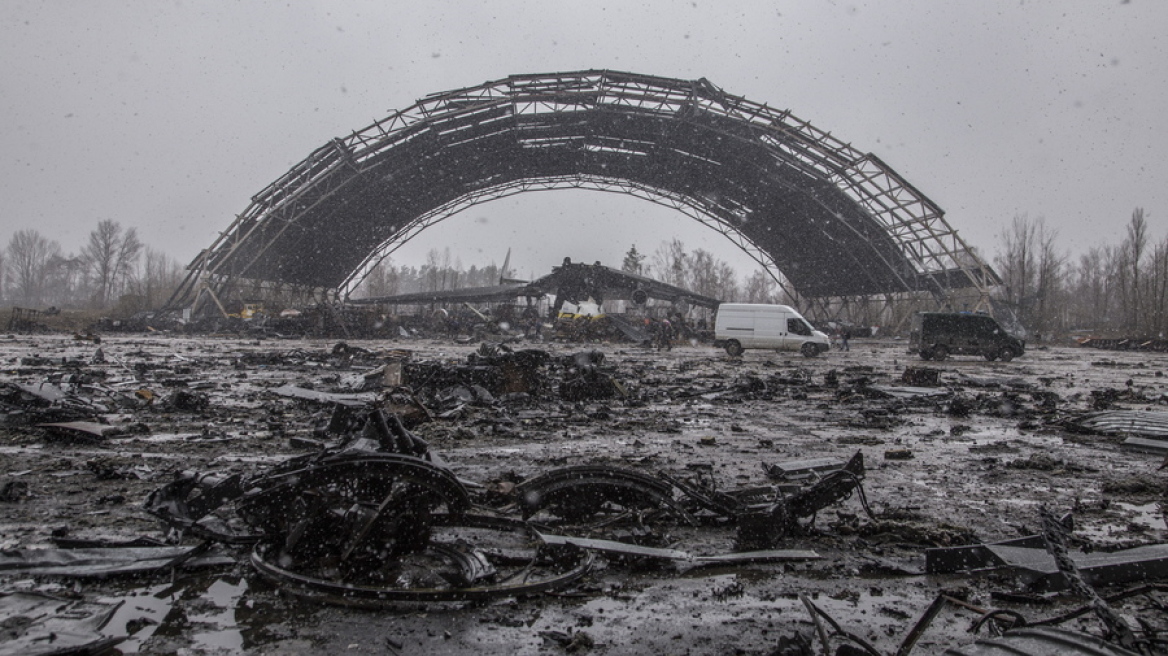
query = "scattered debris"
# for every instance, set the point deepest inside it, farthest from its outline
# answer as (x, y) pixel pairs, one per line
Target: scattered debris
(1125, 343)
(921, 376)
(622, 486)
(1027, 559)
(36, 624)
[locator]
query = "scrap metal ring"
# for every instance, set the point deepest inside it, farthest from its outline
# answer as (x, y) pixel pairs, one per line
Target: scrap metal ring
(370, 596)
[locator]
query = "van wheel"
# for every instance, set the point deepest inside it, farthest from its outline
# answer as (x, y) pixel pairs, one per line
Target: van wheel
(940, 353)
(1007, 354)
(733, 347)
(809, 350)
(991, 356)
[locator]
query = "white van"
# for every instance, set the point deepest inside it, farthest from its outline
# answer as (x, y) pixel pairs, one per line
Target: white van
(739, 326)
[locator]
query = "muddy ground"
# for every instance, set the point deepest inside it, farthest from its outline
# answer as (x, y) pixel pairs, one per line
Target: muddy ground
(986, 453)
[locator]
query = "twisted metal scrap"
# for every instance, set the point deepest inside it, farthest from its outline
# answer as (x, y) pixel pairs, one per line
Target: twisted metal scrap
(1055, 535)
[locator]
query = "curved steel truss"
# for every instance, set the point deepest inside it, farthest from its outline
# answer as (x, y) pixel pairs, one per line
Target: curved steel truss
(833, 220)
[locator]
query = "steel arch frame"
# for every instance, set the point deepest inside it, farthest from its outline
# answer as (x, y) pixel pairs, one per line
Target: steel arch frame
(660, 197)
(738, 166)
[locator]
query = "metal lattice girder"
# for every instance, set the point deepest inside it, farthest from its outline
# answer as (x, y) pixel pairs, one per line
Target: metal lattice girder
(833, 220)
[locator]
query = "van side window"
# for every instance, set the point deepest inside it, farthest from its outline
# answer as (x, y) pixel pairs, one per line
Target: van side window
(798, 327)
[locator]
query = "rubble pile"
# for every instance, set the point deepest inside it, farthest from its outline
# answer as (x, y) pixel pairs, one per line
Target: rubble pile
(496, 497)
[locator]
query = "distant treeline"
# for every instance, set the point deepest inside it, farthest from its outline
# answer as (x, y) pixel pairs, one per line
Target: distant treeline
(113, 269)
(1119, 288)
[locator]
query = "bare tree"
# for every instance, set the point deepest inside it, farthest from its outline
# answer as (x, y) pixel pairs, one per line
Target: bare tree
(1158, 288)
(65, 280)
(671, 263)
(112, 255)
(698, 271)
(711, 277)
(437, 271)
(160, 275)
(760, 287)
(702, 275)
(1031, 268)
(1132, 255)
(29, 254)
(383, 280)
(1050, 289)
(1091, 301)
(633, 262)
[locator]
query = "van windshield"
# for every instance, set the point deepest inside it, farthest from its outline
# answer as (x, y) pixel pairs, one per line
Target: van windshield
(798, 327)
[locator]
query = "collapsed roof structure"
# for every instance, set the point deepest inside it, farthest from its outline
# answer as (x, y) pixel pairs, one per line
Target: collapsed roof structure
(832, 220)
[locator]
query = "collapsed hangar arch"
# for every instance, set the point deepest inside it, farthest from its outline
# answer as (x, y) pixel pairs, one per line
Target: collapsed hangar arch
(834, 221)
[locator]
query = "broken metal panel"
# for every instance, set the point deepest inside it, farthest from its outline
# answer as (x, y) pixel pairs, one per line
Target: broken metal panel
(631, 331)
(906, 392)
(1038, 569)
(947, 560)
(44, 403)
(1145, 445)
(36, 624)
(614, 547)
(82, 430)
(805, 468)
(762, 556)
(104, 562)
(300, 393)
(1147, 423)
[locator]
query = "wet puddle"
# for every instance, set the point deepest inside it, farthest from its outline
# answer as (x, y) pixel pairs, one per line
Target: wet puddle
(210, 614)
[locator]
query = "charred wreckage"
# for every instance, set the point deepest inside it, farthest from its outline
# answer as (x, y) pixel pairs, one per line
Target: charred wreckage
(372, 516)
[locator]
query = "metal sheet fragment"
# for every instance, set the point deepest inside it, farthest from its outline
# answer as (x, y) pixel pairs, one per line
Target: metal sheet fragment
(103, 562)
(37, 624)
(1123, 422)
(1040, 641)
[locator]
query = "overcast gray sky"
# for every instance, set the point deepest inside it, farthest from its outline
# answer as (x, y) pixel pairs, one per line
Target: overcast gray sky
(169, 116)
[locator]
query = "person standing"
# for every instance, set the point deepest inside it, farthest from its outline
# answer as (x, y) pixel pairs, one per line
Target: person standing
(665, 335)
(845, 335)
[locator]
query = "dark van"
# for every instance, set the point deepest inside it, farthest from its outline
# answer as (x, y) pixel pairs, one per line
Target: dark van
(937, 335)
